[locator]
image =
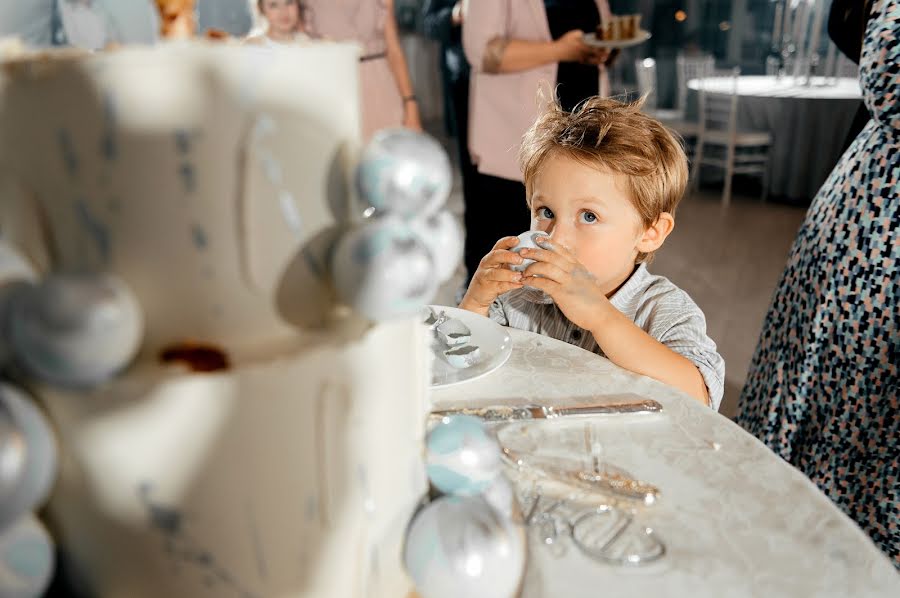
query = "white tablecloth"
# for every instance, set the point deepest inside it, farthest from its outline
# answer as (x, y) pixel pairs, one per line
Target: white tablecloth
(808, 125)
(843, 88)
(736, 519)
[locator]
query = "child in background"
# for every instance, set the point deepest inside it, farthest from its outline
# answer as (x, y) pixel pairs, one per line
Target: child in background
(285, 25)
(603, 183)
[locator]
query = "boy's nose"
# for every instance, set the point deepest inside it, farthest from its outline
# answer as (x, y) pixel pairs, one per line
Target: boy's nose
(562, 236)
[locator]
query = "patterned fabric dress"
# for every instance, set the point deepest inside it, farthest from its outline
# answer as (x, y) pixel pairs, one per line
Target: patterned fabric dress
(823, 390)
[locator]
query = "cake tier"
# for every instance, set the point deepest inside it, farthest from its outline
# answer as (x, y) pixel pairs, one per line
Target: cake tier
(293, 477)
(200, 174)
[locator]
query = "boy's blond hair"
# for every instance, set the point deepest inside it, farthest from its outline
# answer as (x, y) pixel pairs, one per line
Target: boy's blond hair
(618, 137)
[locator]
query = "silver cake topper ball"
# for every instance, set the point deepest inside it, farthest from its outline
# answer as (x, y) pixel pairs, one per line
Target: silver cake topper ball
(462, 546)
(28, 455)
(404, 173)
(75, 330)
(383, 270)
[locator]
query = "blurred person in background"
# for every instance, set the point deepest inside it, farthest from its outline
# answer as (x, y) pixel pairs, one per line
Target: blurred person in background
(443, 21)
(389, 99)
(283, 23)
(847, 21)
(823, 390)
(98, 24)
(31, 21)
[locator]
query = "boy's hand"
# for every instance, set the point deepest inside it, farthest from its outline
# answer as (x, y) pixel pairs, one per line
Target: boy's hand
(559, 274)
(493, 277)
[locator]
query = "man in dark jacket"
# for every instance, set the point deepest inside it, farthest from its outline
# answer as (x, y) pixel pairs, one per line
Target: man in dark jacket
(443, 21)
(847, 28)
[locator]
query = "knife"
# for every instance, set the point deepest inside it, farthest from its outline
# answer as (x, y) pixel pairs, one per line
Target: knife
(639, 405)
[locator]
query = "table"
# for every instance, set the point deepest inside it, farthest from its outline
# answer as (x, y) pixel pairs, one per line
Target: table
(736, 519)
(808, 125)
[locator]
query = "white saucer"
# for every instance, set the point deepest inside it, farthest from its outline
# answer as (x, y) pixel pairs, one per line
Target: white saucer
(492, 338)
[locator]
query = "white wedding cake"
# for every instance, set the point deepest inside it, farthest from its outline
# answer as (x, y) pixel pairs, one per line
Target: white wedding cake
(262, 441)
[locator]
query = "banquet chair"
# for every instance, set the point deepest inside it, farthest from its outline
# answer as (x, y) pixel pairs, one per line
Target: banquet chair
(647, 83)
(721, 145)
(674, 118)
(688, 68)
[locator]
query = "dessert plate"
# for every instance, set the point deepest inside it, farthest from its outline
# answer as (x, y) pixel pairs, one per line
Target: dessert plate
(492, 339)
(591, 40)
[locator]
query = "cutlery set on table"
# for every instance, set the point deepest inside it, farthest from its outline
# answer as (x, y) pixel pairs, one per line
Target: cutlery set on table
(575, 499)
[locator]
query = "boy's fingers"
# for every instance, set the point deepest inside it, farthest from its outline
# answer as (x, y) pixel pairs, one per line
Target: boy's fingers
(546, 244)
(503, 275)
(506, 243)
(547, 257)
(547, 270)
(542, 284)
(498, 257)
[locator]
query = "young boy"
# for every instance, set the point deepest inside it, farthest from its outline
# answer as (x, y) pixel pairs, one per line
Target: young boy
(603, 183)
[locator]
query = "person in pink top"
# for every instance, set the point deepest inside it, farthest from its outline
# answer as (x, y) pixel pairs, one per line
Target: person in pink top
(389, 100)
(516, 49)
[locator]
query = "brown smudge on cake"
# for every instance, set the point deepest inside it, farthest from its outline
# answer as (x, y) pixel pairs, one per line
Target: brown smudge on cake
(196, 356)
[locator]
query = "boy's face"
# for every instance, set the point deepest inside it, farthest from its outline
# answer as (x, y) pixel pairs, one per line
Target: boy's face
(587, 210)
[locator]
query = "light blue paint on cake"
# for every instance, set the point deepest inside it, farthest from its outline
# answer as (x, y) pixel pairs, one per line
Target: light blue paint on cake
(95, 228)
(198, 235)
(67, 150)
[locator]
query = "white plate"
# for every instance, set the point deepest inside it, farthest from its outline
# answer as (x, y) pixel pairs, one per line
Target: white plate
(591, 40)
(489, 336)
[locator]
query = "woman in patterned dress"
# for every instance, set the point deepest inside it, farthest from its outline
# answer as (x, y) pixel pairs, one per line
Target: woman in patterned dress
(389, 100)
(823, 389)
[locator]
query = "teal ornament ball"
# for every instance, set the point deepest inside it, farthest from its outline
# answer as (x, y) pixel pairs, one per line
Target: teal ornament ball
(461, 547)
(26, 559)
(462, 457)
(29, 455)
(404, 173)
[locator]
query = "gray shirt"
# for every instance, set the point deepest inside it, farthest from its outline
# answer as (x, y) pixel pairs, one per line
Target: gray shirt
(652, 302)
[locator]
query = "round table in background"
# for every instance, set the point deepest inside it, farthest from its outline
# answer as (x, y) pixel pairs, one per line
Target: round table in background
(808, 124)
(735, 518)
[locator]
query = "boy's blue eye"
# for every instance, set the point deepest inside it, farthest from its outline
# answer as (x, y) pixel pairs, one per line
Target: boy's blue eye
(544, 212)
(588, 217)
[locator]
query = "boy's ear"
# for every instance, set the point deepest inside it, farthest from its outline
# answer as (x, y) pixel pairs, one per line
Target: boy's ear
(655, 234)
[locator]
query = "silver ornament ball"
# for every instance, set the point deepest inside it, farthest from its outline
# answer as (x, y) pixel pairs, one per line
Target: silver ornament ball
(462, 547)
(383, 270)
(75, 330)
(403, 172)
(444, 237)
(28, 455)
